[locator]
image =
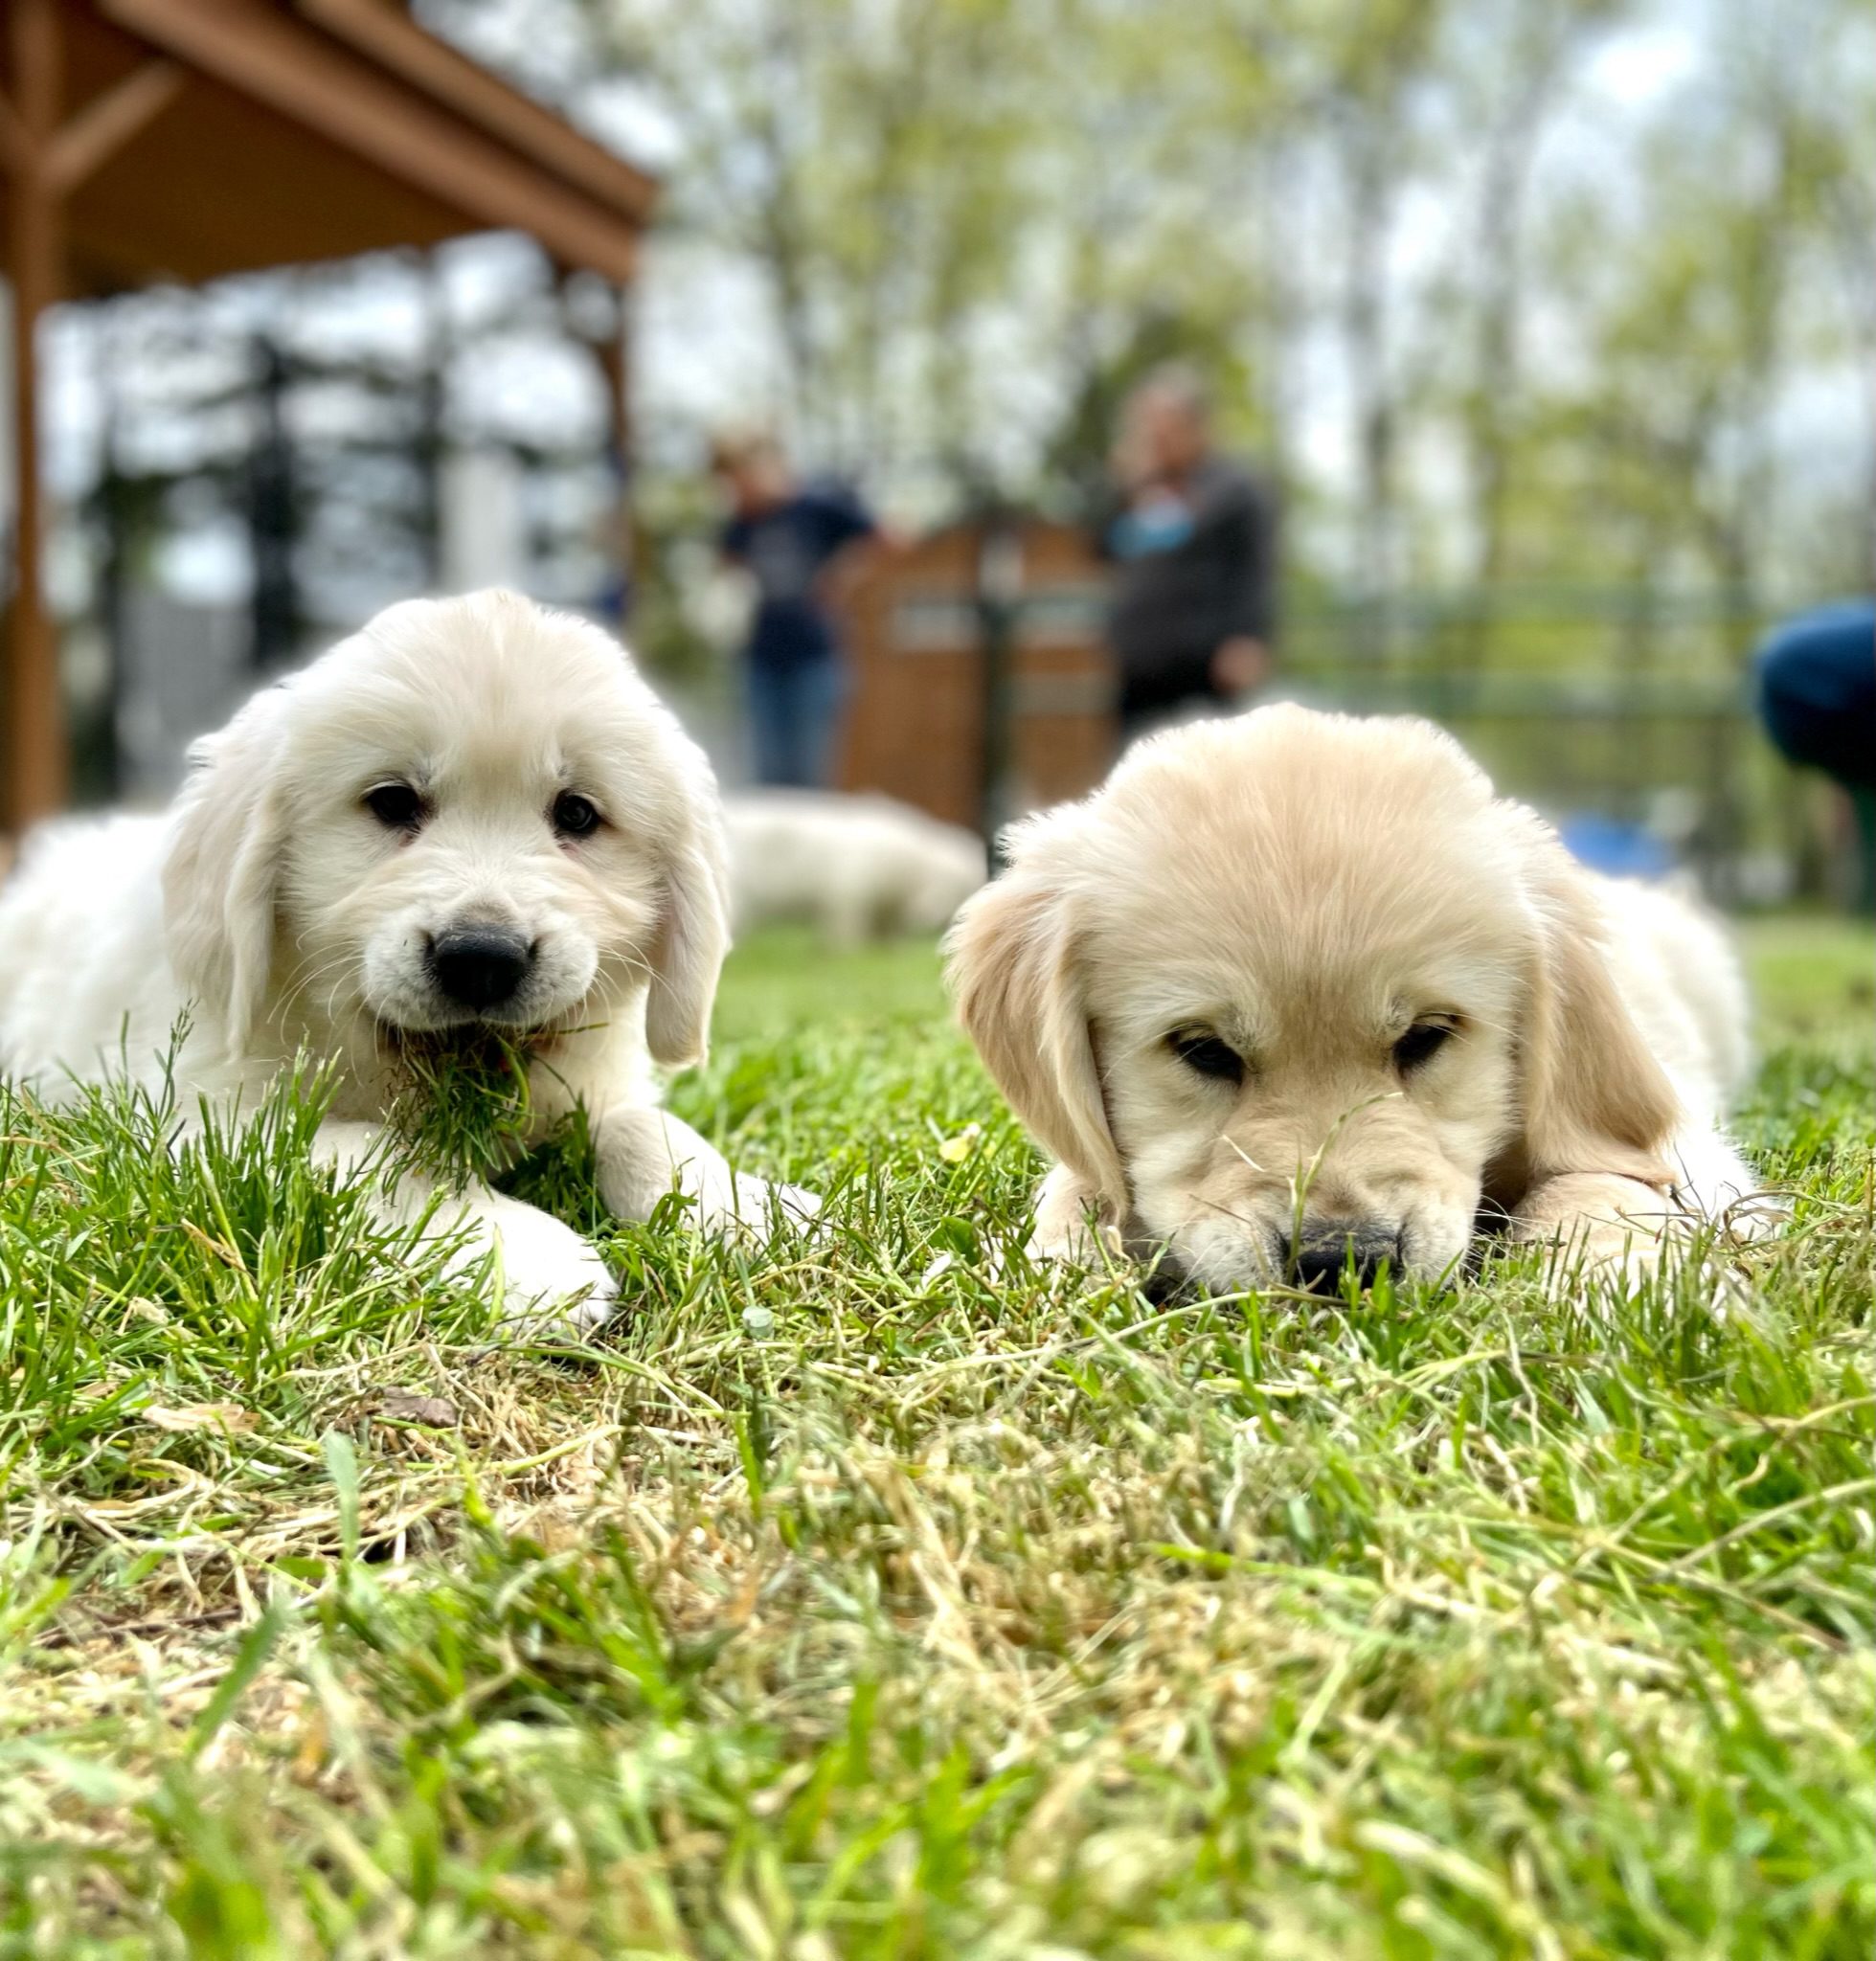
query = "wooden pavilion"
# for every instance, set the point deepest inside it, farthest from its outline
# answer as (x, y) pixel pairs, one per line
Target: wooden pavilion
(181, 139)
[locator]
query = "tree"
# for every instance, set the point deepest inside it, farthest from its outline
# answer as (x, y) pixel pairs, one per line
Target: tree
(874, 166)
(1494, 324)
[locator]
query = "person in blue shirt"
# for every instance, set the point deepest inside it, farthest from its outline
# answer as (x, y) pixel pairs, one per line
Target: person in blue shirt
(786, 535)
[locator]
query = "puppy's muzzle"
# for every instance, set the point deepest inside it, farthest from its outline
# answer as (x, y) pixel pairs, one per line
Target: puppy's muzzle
(1328, 1248)
(479, 966)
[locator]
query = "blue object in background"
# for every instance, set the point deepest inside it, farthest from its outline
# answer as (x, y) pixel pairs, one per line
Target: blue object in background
(1817, 690)
(1607, 845)
(1816, 697)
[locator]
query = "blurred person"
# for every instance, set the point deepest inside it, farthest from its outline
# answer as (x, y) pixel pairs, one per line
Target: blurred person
(1193, 544)
(1816, 696)
(787, 535)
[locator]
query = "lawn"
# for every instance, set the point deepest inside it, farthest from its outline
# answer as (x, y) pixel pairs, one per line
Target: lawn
(883, 1597)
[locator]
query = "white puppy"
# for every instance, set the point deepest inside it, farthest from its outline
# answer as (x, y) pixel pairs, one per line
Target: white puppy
(1295, 989)
(471, 815)
(855, 867)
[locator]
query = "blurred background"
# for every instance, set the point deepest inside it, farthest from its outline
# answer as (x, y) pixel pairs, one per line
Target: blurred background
(934, 391)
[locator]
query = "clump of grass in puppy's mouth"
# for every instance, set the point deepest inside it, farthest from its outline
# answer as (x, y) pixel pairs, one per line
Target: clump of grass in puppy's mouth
(465, 1106)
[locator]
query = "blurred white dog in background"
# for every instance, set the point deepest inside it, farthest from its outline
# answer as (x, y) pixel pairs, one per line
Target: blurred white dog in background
(853, 868)
(472, 818)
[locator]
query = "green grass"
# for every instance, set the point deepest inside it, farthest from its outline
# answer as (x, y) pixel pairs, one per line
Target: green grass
(886, 1598)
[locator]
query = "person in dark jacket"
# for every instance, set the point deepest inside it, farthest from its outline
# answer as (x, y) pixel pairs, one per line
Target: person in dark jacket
(1816, 697)
(787, 535)
(1192, 616)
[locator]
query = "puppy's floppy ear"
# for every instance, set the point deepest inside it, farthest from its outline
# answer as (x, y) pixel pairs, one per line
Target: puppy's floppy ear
(694, 934)
(1014, 967)
(220, 877)
(1594, 1096)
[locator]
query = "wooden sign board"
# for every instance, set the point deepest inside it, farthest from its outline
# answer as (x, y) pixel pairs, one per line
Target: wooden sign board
(915, 724)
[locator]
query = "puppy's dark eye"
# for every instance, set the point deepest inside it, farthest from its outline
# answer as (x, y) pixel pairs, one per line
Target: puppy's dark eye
(395, 805)
(574, 816)
(1420, 1043)
(1207, 1055)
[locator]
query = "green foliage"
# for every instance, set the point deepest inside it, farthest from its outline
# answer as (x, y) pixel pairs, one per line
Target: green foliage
(880, 1595)
(1489, 229)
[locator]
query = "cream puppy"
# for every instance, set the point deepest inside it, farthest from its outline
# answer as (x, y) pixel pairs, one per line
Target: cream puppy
(471, 815)
(856, 868)
(1295, 989)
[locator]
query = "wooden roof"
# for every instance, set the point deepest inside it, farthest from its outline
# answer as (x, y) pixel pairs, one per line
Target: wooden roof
(145, 140)
(274, 132)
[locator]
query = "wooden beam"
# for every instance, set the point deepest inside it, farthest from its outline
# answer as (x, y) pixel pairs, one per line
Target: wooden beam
(35, 767)
(396, 42)
(286, 67)
(38, 64)
(615, 358)
(109, 121)
(15, 145)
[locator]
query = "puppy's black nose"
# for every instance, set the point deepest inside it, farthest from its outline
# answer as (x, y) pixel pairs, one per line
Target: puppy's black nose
(479, 966)
(1325, 1253)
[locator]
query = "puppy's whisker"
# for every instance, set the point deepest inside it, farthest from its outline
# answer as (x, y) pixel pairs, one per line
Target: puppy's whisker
(639, 965)
(308, 976)
(299, 987)
(312, 969)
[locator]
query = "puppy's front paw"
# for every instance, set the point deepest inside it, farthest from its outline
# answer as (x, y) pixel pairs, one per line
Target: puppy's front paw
(1600, 1233)
(795, 1202)
(1600, 1257)
(1602, 1262)
(758, 1205)
(1070, 1225)
(550, 1274)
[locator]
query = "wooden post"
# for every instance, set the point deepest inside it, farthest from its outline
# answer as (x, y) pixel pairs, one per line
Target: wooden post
(33, 762)
(45, 162)
(615, 355)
